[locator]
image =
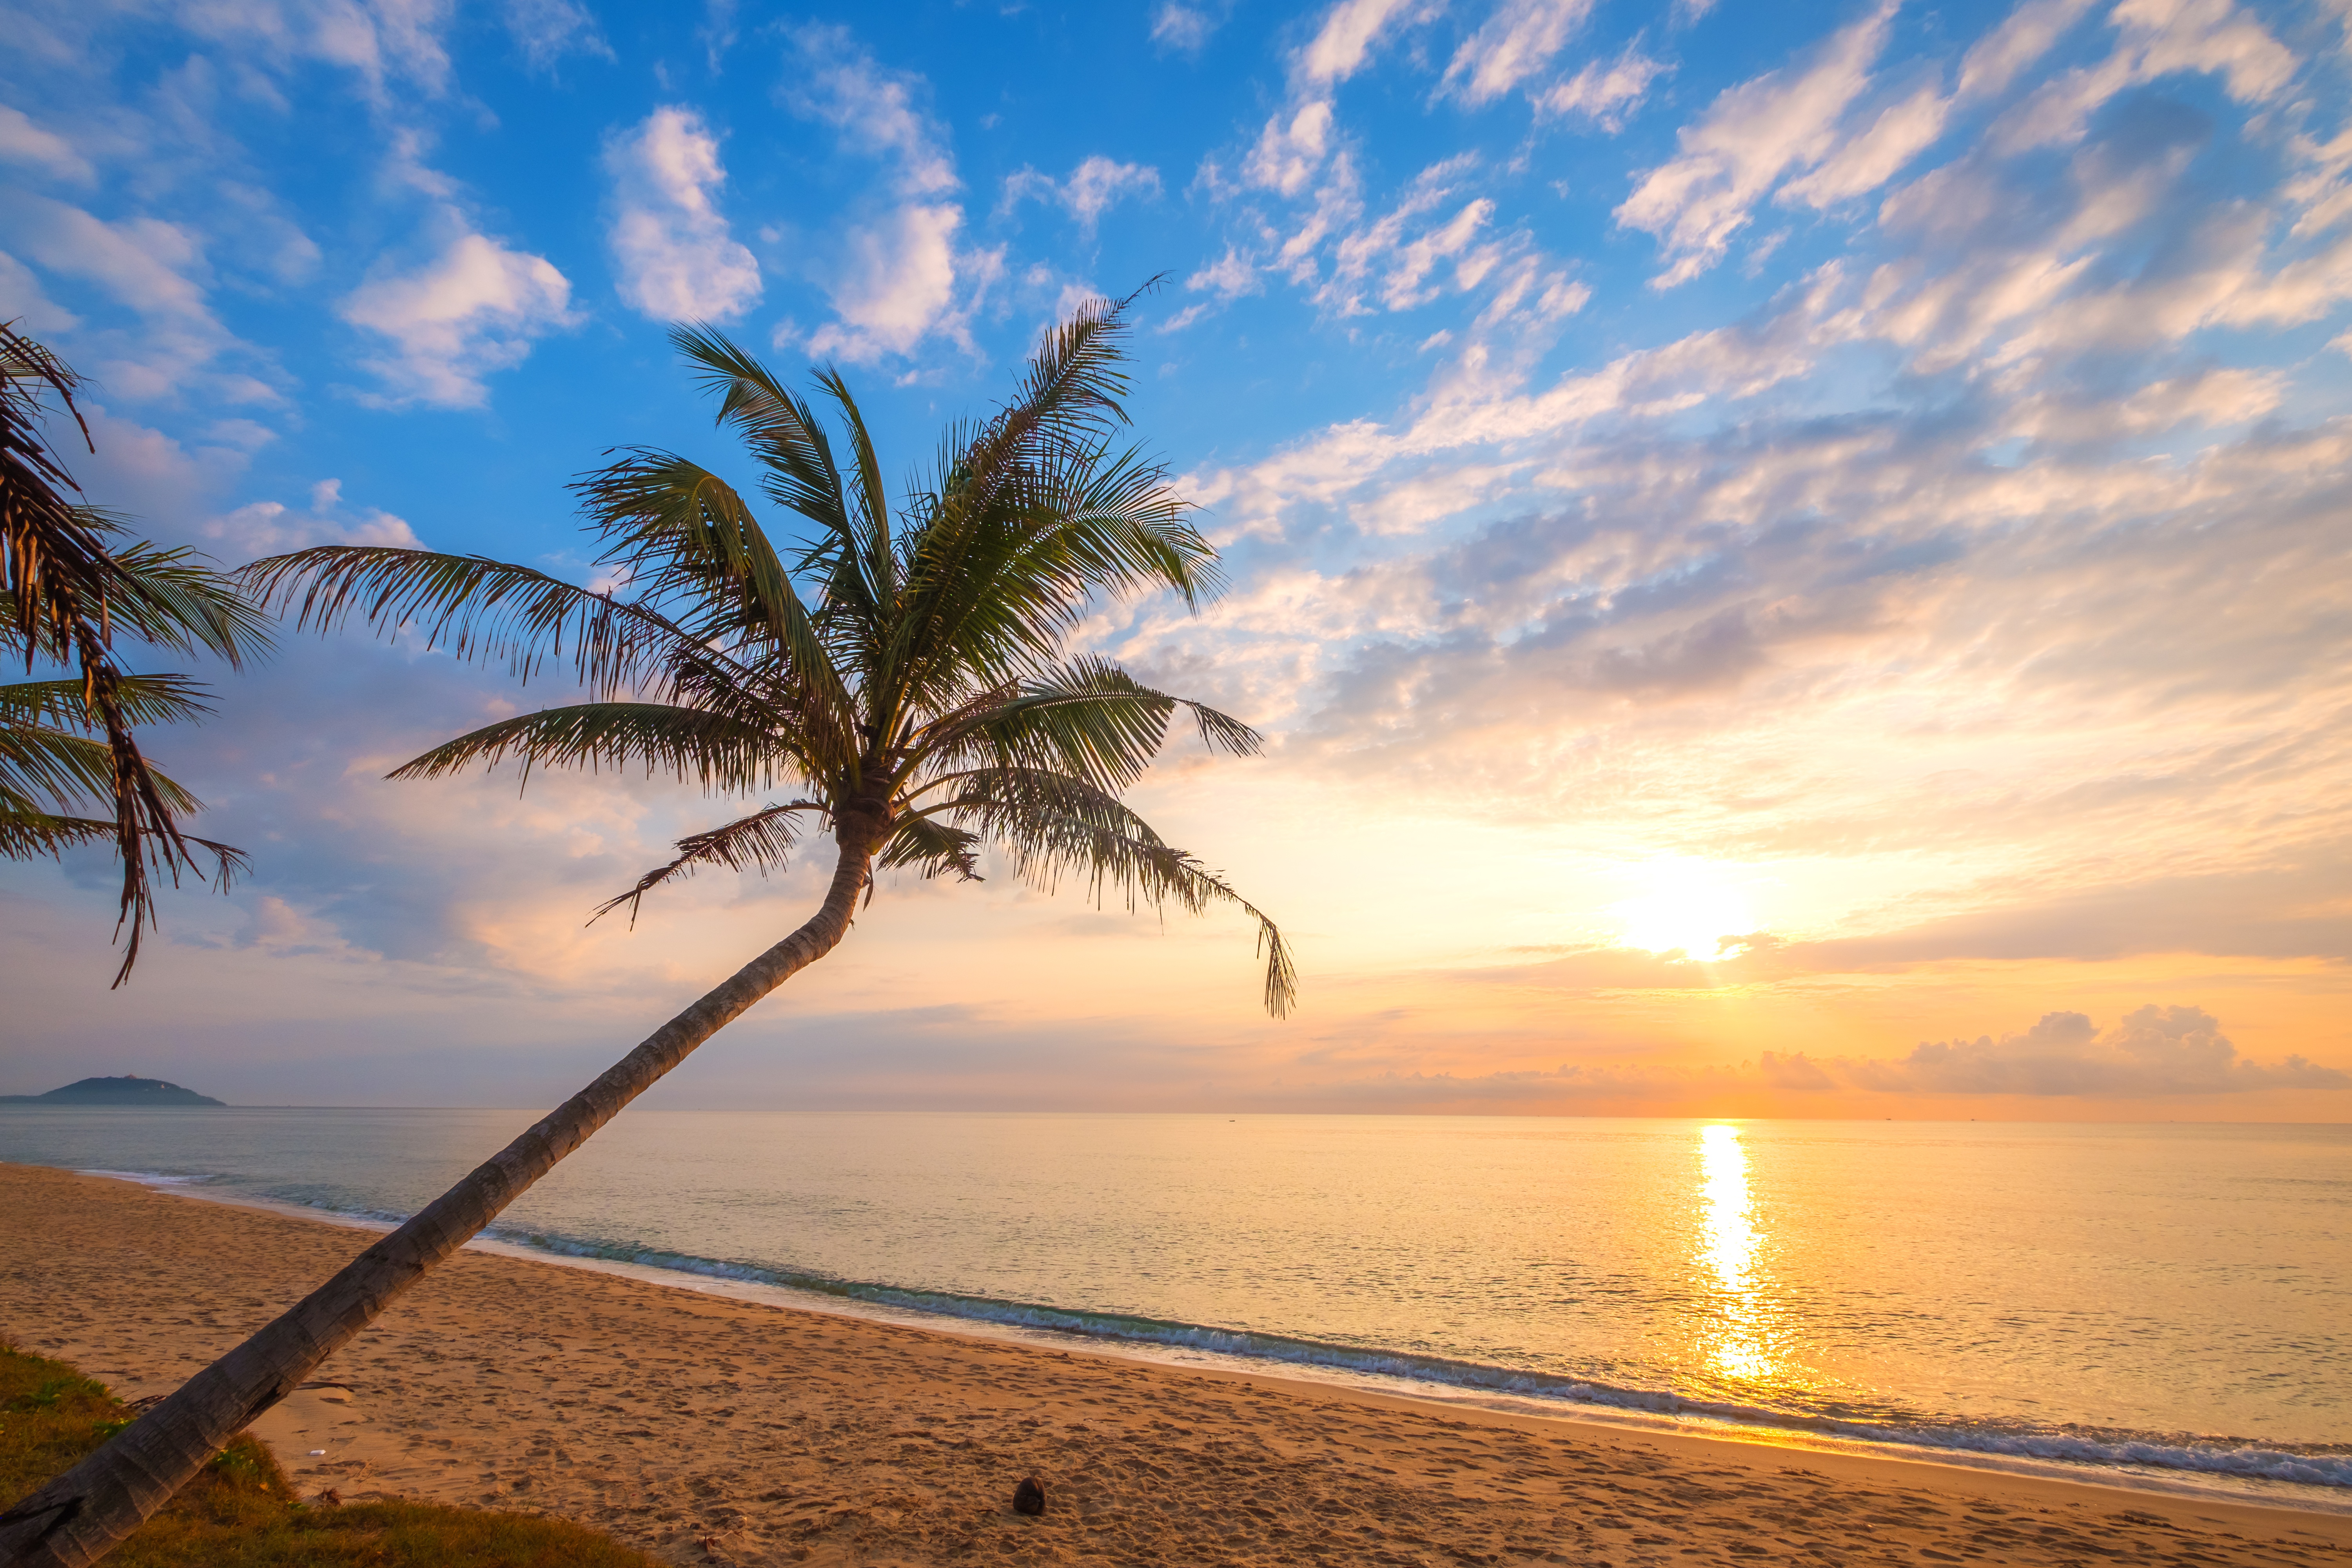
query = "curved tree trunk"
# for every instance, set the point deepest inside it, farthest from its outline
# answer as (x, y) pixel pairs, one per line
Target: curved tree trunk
(80, 1516)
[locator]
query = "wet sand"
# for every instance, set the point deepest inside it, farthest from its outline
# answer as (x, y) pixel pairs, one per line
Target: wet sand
(710, 1430)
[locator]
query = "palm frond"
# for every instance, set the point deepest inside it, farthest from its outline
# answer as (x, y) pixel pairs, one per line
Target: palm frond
(1053, 826)
(933, 848)
(33, 834)
(146, 699)
(718, 752)
(478, 608)
(759, 842)
(40, 762)
(1087, 717)
(686, 537)
(30, 834)
(791, 443)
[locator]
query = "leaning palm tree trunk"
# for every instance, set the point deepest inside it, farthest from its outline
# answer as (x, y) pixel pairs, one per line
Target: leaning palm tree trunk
(84, 1513)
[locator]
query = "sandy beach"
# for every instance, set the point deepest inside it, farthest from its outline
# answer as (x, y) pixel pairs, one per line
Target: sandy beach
(704, 1429)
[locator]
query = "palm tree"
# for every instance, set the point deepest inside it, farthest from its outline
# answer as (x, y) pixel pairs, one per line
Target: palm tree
(71, 582)
(924, 707)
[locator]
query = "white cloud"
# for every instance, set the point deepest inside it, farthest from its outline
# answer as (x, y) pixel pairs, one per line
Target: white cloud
(29, 146)
(1747, 139)
(1534, 294)
(2023, 37)
(1230, 277)
(1603, 92)
(1290, 149)
(395, 40)
(677, 260)
(896, 284)
(1407, 284)
(23, 302)
(874, 109)
(2154, 38)
(474, 308)
(1900, 133)
(547, 30)
(154, 268)
(1515, 43)
(1344, 42)
(1092, 189)
(263, 528)
(1184, 28)
(893, 281)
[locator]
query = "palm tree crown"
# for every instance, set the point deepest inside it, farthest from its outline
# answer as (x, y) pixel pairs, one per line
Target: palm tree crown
(902, 673)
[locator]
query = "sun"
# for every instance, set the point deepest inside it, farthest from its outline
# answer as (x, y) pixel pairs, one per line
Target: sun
(1686, 905)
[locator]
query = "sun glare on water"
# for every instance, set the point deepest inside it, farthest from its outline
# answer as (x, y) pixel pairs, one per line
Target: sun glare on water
(1729, 1239)
(1687, 907)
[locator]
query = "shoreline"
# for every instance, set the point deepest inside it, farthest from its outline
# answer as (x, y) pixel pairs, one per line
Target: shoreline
(705, 1428)
(2222, 1487)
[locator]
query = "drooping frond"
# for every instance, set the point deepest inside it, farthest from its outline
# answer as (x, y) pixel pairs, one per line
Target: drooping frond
(759, 842)
(475, 607)
(933, 848)
(28, 835)
(1053, 826)
(720, 752)
(70, 583)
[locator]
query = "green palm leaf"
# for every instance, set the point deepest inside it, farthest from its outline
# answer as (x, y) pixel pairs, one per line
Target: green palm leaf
(716, 751)
(760, 842)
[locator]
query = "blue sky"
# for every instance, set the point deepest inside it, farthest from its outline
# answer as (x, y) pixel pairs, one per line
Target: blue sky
(1866, 480)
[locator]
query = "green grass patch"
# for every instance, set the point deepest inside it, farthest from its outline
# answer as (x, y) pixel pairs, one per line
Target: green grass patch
(241, 1511)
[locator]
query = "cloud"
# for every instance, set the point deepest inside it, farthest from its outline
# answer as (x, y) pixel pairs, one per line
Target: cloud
(381, 44)
(1750, 136)
(475, 308)
(896, 283)
(1344, 41)
(2027, 34)
(1092, 189)
(677, 260)
(1900, 133)
(1290, 149)
(2152, 1052)
(155, 268)
(1185, 30)
(874, 109)
(22, 301)
(1229, 277)
(548, 31)
(264, 527)
(29, 146)
(1515, 43)
(2154, 38)
(893, 281)
(1604, 92)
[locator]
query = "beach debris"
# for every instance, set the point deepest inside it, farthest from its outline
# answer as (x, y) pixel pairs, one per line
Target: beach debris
(1029, 1497)
(316, 1453)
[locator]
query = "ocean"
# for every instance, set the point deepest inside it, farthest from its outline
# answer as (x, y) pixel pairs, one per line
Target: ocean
(2149, 1301)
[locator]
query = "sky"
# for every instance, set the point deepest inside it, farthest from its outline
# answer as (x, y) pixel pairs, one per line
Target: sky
(1793, 560)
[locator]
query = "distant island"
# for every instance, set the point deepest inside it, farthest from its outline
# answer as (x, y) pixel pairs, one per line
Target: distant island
(127, 1090)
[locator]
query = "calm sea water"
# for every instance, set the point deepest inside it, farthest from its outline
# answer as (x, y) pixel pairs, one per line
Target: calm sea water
(2178, 1297)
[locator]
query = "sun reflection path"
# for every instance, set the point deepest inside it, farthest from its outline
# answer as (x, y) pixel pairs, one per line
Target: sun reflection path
(1728, 1241)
